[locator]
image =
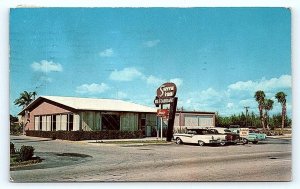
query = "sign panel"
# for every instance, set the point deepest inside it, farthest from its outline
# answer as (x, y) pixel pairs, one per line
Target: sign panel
(244, 132)
(162, 112)
(158, 101)
(166, 90)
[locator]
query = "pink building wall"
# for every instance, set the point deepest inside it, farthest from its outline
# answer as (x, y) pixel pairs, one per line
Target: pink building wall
(44, 108)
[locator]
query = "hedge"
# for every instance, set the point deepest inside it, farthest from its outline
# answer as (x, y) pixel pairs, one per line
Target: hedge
(86, 135)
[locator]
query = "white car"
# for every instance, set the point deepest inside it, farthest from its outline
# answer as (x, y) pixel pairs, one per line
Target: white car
(200, 137)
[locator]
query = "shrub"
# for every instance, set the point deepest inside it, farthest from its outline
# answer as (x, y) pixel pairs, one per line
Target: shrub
(26, 153)
(16, 129)
(12, 148)
(87, 135)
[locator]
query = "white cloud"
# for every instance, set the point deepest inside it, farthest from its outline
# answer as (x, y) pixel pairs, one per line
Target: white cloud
(230, 105)
(107, 53)
(284, 81)
(152, 43)
(121, 95)
(93, 88)
(177, 81)
(235, 97)
(152, 80)
(156, 81)
(127, 74)
(46, 66)
(247, 102)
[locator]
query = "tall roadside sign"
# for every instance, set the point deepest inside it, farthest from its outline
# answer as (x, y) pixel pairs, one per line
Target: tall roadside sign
(165, 95)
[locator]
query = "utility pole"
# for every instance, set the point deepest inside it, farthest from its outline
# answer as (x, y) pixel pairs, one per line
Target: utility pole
(246, 107)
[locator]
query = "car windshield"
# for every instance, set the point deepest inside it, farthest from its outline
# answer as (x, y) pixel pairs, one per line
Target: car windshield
(213, 131)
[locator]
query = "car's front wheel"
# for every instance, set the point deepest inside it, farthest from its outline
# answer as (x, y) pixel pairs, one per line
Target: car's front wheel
(222, 143)
(245, 141)
(201, 143)
(178, 140)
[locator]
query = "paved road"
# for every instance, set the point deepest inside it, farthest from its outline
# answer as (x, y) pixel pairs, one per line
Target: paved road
(269, 161)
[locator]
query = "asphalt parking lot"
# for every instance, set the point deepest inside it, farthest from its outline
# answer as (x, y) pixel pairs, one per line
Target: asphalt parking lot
(66, 161)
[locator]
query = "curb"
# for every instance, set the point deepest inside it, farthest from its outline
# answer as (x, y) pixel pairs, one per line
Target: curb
(126, 145)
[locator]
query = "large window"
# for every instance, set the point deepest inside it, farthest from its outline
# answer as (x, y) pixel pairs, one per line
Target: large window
(110, 122)
(53, 122)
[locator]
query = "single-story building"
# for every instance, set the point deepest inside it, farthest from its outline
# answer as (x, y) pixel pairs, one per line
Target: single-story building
(53, 113)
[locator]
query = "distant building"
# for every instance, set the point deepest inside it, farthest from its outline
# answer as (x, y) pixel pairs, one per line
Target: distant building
(186, 119)
(53, 113)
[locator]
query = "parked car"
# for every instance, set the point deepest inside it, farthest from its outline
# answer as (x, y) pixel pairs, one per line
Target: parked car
(260, 136)
(245, 135)
(200, 137)
(231, 138)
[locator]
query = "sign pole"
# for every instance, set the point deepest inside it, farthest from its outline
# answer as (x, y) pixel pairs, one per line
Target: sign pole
(172, 115)
(157, 130)
(161, 128)
(161, 124)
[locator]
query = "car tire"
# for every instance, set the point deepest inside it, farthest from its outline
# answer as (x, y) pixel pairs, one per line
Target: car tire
(201, 143)
(222, 143)
(245, 141)
(255, 142)
(178, 141)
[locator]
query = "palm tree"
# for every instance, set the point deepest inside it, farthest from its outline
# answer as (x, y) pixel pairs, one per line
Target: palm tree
(268, 106)
(280, 96)
(25, 99)
(260, 98)
(34, 94)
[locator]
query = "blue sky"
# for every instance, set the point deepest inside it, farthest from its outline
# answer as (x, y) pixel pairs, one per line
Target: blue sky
(218, 57)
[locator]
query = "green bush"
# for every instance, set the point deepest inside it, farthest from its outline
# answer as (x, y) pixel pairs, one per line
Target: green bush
(86, 135)
(26, 153)
(12, 148)
(16, 129)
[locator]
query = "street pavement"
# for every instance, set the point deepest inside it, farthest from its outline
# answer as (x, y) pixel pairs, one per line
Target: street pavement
(67, 161)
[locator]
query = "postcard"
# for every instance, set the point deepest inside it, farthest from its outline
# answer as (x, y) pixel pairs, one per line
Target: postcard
(150, 94)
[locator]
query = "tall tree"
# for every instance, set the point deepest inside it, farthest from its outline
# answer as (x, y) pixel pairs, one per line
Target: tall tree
(280, 96)
(34, 94)
(260, 98)
(268, 105)
(25, 98)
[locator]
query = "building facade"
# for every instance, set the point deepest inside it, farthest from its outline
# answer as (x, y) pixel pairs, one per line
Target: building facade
(54, 113)
(51, 113)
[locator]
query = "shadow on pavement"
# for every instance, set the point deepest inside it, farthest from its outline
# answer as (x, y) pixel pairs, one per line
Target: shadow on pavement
(51, 160)
(30, 140)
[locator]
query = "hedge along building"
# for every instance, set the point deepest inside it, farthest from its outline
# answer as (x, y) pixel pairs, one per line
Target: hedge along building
(53, 113)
